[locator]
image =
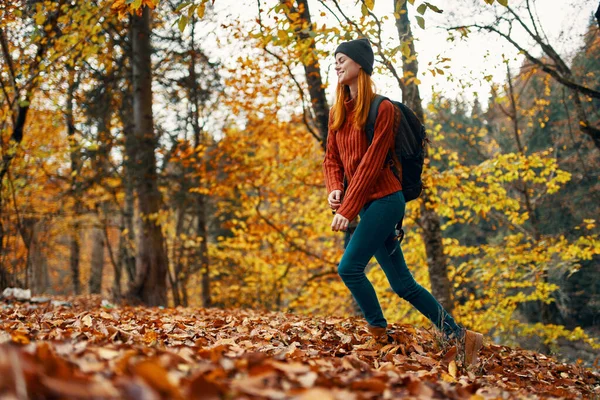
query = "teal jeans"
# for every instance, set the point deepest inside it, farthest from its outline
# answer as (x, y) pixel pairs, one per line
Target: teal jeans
(375, 236)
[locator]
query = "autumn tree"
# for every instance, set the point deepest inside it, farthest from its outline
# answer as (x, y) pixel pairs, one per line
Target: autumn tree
(552, 63)
(190, 86)
(524, 124)
(149, 286)
(58, 31)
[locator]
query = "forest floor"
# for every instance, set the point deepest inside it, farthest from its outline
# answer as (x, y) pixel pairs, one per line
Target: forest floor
(87, 350)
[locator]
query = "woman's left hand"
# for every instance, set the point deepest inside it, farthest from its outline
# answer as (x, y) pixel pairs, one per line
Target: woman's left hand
(339, 223)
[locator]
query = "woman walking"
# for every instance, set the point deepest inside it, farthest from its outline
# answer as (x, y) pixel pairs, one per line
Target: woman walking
(374, 193)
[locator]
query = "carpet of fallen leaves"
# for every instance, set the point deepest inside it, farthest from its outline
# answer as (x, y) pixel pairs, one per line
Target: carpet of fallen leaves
(86, 350)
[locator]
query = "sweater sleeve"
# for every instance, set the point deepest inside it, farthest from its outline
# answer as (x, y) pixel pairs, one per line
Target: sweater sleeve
(372, 163)
(333, 168)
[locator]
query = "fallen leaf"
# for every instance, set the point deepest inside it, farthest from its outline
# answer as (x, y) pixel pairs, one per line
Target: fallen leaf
(452, 368)
(156, 377)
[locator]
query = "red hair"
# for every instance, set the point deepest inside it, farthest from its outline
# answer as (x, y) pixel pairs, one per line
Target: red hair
(364, 95)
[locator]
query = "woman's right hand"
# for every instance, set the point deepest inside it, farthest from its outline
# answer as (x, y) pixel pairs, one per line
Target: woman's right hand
(335, 199)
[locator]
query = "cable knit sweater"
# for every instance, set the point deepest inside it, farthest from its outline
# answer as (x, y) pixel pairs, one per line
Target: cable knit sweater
(348, 153)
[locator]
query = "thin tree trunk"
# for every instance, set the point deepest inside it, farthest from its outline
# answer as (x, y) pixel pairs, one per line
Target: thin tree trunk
(101, 166)
(184, 293)
(38, 261)
(116, 263)
(127, 253)
(75, 184)
(204, 261)
(97, 266)
(150, 284)
(4, 275)
(201, 228)
(173, 280)
(432, 234)
(74, 260)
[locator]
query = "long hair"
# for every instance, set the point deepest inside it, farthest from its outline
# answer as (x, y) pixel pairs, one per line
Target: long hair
(362, 103)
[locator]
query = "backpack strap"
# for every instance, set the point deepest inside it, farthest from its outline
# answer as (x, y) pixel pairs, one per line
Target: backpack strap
(372, 118)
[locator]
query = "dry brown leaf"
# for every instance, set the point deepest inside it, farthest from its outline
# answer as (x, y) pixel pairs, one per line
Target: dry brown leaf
(87, 321)
(370, 384)
(156, 377)
(79, 389)
(165, 353)
(201, 389)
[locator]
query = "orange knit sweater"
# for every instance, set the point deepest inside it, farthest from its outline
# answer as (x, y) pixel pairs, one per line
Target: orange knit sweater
(348, 153)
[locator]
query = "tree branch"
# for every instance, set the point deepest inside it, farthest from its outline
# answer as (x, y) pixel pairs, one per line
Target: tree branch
(285, 237)
(545, 67)
(293, 77)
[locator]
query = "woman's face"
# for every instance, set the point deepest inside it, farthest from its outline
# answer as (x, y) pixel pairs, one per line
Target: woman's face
(346, 68)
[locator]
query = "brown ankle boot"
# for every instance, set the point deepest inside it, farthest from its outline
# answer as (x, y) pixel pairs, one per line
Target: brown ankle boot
(380, 335)
(473, 342)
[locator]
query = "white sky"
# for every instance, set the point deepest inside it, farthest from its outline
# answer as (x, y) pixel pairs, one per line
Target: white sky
(563, 21)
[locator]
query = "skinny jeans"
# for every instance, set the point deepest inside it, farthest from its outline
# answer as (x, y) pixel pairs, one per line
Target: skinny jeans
(375, 236)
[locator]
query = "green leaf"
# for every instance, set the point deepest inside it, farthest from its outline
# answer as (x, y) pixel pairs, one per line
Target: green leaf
(182, 6)
(421, 22)
(364, 10)
(434, 8)
(422, 8)
(183, 20)
(191, 11)
(503, 2)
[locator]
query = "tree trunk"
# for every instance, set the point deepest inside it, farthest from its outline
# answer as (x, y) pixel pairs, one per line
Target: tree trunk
(102, 111)
(40, 280)
(97, 266)
(127, 255)
(184, 294)
(202, 225)
(204, 261)
(75, 183)
(312, 71)
(74, 259)
(430, 221)
(150, 284)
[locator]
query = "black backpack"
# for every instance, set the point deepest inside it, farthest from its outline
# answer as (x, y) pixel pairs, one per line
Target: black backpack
(409, 149)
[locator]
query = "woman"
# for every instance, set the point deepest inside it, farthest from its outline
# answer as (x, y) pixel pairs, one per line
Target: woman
(374, 193)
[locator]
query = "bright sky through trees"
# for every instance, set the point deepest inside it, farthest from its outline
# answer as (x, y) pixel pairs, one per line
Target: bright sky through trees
(564, 23)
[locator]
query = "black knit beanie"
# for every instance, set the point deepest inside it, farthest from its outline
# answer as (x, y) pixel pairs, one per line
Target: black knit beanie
(360, 51)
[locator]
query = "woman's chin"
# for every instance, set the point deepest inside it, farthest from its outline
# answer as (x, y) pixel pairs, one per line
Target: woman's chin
(344, 80)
